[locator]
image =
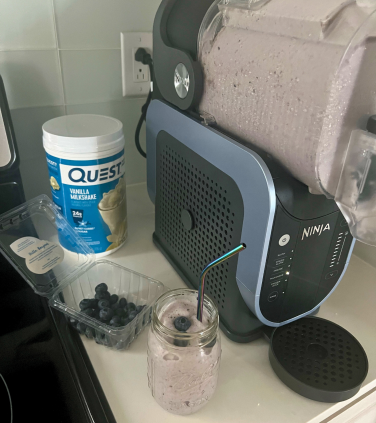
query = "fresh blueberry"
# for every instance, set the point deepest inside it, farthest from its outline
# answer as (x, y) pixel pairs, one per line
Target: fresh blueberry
(101, 287)
(182, 323)
(115, 306)
(102, 295)
(103, 304)
(89, 333)
(122, 302)
(114, 299)
(106, 314)
(125, 321)
(131, 307)
(89, 312)
(132, 315)
(96, 315)
(117, 325)
(94, 303)
(120, 312)
(115, 320)
(81, 327)
(139, 308)
(85, 303)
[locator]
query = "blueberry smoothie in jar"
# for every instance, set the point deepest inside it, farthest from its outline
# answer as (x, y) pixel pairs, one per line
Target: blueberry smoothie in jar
(183, 353)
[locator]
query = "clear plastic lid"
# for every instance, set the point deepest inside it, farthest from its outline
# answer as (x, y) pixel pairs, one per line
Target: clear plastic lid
(41, 245)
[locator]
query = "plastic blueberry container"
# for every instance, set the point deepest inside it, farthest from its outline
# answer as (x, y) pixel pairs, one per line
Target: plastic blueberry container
(135, 287)
(29, 240)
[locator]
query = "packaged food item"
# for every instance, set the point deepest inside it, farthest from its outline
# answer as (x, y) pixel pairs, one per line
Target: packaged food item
(85, 157)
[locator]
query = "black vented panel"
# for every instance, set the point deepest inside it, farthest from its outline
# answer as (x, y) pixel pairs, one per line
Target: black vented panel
(187, 181)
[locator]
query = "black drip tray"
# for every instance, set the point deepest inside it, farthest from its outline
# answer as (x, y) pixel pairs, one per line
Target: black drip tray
(318, 359)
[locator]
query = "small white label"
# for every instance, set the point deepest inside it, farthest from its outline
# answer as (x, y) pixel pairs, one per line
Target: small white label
(23, 245)
(41, 256)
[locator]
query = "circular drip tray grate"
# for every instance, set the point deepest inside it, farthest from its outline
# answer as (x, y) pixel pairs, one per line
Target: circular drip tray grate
(318, 359)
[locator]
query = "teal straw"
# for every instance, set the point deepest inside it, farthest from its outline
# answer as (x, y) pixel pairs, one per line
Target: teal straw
(201, 288)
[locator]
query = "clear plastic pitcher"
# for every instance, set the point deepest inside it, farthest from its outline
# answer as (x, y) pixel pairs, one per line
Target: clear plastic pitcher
(296, 79)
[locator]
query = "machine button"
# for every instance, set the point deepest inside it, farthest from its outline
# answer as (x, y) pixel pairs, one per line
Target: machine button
(272, 296)
(284, 240)
(331, 274)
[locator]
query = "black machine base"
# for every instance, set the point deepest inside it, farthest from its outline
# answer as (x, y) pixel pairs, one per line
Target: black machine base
(318, 359)
(257, 329)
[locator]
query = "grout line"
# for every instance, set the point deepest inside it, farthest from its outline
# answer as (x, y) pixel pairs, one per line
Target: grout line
(90, 49)
(60, 49)
(58, 56)
(122, 100)
(7, 50)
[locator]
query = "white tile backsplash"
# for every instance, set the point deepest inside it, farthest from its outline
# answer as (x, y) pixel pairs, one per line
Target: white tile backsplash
(97, 23)
(31, 78)
(26, 24)
(35, 178)
(63, 56)
(128, 111)
(28, 124)
(91, 76)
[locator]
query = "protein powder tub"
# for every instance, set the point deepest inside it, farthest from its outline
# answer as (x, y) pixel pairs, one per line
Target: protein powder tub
(183, 353)
(85, 157)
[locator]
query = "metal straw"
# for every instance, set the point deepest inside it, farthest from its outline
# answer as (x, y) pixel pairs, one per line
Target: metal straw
(201, 288)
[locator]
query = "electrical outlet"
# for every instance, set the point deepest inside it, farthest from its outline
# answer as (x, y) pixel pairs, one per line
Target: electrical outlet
(135, 75)
(140, 72)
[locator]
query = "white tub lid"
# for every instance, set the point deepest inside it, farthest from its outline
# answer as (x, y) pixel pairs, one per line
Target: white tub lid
(83, 133)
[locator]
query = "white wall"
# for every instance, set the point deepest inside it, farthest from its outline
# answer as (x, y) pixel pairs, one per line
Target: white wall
(62, 57)
(366, 253)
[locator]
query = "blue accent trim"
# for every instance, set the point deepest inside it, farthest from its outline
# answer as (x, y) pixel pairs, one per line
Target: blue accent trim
(244, 166)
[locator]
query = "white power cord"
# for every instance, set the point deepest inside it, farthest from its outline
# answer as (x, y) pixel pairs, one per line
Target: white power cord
(10, 399)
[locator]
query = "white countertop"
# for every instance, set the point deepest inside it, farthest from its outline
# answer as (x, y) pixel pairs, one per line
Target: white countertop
(248, 390)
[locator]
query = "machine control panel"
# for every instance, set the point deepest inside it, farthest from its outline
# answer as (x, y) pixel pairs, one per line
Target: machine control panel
(304, 262)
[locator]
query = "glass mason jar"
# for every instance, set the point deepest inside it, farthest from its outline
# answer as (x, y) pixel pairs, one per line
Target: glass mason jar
(183, 366)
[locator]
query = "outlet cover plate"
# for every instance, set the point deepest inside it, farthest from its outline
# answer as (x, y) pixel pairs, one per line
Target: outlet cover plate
(130, 42)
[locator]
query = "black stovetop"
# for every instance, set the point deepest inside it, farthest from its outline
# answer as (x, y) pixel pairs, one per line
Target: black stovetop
(43, 361)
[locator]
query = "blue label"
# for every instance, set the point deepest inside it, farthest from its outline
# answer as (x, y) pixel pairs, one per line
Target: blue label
(91, 196)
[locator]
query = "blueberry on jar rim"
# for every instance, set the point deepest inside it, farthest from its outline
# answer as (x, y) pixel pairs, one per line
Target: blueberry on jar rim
(182, 323)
